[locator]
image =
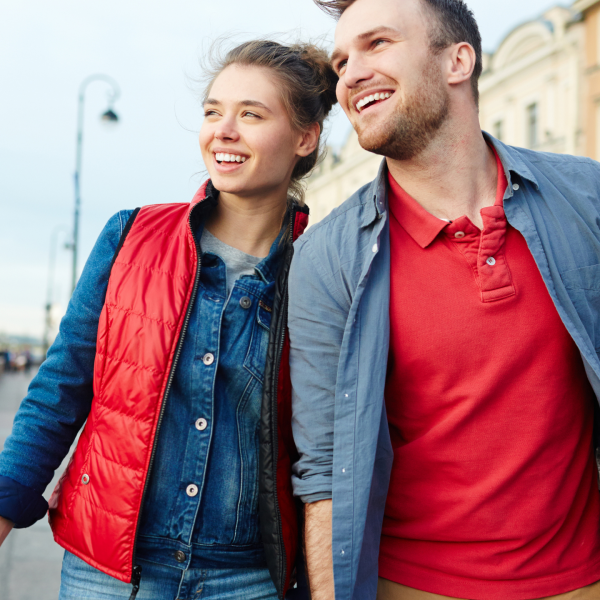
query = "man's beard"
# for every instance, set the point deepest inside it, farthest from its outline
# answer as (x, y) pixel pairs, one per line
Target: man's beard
(414, 123)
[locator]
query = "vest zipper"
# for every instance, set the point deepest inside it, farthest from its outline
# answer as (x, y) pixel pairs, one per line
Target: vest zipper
(275, 383)
(137, 569)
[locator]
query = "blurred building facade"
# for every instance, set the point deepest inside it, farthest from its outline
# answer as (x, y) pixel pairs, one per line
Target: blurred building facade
(590, 12)
(540, 89)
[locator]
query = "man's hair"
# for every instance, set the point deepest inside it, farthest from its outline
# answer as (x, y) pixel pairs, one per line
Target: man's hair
(454, 23)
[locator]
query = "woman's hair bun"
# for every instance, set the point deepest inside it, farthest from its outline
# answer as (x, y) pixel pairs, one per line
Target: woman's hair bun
(327, 78)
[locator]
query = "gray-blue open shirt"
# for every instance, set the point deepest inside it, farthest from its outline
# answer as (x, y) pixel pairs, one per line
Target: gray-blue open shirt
(339, 332)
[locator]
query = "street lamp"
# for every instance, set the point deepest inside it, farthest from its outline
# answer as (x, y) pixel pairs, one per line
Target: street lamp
(108, 116)
(50, 291)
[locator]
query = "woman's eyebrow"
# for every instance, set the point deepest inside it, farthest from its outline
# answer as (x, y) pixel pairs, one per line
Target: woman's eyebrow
(255, 103)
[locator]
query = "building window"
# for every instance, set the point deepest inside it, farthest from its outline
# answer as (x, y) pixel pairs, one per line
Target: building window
(532, 125)
(499, 130)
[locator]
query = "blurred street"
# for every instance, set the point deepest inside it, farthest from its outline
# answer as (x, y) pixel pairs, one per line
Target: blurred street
(30, 561)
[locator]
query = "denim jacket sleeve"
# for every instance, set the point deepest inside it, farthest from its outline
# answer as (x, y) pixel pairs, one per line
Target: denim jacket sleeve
(59, 398)
(317, 319)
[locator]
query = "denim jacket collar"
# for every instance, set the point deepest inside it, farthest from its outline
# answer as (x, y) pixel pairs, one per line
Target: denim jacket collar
(511, 161)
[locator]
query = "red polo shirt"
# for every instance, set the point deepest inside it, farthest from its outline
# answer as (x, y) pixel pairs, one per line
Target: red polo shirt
(494, 491)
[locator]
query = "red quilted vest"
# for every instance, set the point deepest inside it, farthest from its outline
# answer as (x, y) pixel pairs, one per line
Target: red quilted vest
(95, 509)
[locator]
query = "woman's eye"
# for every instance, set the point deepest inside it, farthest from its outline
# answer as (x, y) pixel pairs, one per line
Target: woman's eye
(208, 113)
(251, 114)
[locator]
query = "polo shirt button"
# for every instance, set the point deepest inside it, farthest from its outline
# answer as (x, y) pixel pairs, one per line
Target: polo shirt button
(245, 302)
(491, 261)
(459, 234)
(180, 556)
(191, 490)
(208, 359)
(201, 424)
(515, 186)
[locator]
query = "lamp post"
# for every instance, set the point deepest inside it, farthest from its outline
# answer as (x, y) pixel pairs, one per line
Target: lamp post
(108, 116)
(50, 291)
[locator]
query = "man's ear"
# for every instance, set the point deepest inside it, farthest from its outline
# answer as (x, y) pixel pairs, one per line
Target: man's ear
(309, 140)
(461, 63)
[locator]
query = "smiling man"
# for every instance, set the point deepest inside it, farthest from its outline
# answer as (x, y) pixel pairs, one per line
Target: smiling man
(445, 329)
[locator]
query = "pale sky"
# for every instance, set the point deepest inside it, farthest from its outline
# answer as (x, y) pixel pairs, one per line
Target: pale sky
(153, 49)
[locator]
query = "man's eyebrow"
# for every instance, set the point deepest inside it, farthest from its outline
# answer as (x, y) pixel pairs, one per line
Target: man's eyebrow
(255, 103)
(381, 30)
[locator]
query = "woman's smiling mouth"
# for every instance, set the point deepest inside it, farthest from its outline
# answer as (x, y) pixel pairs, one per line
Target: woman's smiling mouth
(222, 157)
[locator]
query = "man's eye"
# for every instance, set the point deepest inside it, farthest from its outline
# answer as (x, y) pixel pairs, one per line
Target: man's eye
(341, 65)
(208, 113)
(378, 42)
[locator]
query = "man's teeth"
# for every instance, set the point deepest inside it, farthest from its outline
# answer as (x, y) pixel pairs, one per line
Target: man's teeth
(223, 157)
(372, 98)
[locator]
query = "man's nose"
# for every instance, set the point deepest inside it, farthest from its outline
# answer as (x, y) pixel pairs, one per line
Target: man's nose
(357, 72)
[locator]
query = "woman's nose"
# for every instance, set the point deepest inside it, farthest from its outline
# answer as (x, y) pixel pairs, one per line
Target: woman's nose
(226, 131)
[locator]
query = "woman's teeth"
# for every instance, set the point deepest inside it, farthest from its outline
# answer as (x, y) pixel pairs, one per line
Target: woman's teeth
(222, 157)
(372, 98)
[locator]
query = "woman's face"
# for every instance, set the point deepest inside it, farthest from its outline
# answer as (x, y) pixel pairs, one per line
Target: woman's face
(248, 144)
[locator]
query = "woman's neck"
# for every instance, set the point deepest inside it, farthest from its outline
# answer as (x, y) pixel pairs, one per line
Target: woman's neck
(250, 225)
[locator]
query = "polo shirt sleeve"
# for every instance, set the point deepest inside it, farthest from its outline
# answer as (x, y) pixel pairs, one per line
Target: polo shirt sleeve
(317, 319)
(59, 397)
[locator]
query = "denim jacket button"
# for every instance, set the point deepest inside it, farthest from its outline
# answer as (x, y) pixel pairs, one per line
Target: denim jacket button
(191, 490)
(208, 359)
(180, 556)
(201, 424)
(245, 302)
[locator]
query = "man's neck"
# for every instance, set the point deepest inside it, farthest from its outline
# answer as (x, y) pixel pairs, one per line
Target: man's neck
(455, 175)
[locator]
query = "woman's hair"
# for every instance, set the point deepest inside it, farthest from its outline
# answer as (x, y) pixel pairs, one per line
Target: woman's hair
(307, 83)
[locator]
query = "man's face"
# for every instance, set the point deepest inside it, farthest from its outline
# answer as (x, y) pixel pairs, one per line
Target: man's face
(391, 84)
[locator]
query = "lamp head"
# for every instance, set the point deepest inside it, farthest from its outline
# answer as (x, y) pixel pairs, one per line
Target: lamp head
(110, 116)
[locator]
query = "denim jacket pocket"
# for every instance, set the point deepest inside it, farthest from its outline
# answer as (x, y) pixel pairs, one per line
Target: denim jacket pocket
(583, 287)
(257, 350)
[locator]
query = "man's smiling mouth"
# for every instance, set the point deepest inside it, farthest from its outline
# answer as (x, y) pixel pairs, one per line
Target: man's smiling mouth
(371, 100)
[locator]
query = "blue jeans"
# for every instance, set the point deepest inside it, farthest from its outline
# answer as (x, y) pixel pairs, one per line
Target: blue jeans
(81, 582)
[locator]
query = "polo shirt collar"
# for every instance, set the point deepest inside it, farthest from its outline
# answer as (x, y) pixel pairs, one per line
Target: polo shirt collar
(422, 226)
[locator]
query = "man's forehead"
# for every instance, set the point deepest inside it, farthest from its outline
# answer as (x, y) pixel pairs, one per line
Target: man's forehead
(365, 16)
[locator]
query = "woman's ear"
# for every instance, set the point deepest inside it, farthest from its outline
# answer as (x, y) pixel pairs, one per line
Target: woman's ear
(309, 140)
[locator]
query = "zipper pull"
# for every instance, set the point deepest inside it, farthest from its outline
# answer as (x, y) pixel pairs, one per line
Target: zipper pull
(136, 576)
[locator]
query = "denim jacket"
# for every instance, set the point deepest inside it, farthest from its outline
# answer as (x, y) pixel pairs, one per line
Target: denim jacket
(339, 335)
(209, 433)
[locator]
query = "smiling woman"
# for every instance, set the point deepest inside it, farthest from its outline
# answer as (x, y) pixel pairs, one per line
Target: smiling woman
(173, 352)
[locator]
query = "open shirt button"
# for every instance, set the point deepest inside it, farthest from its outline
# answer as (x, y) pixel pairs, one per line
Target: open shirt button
(491, 261)
(459, 234)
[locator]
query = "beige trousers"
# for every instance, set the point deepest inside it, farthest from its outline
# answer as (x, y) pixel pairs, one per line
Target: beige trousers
(388, 590)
